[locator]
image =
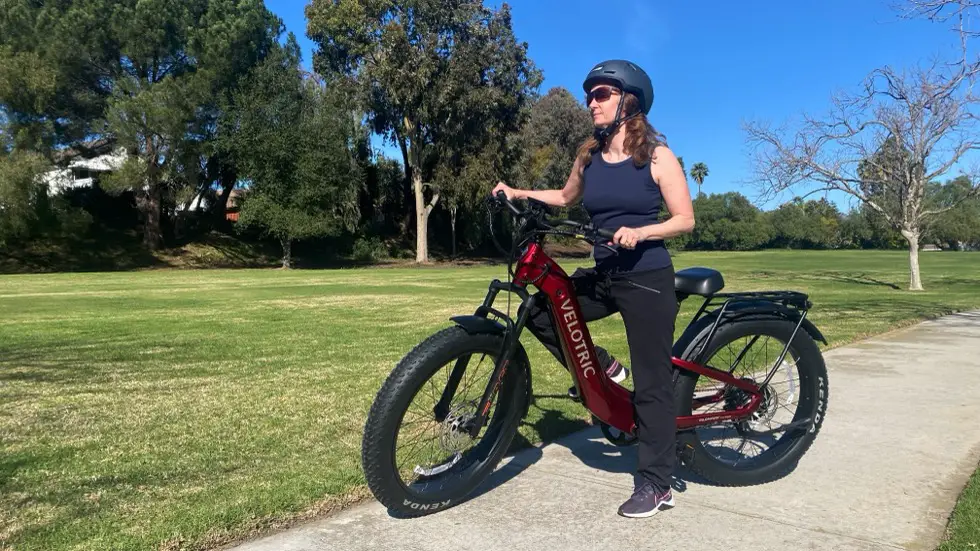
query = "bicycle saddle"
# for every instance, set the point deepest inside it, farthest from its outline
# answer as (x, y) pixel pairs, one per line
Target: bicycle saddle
(698, 281)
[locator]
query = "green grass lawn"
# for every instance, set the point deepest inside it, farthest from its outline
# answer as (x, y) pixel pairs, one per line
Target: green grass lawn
(180, 409)
(963, 533)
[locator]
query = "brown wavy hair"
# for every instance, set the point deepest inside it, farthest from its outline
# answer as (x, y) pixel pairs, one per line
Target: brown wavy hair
(641, 137)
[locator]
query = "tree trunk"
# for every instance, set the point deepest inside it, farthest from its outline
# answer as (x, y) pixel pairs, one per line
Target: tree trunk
(229, 177)
(452, 225)
(412, 152)
(407, 186)
(421, 220)
(912, 236)
(287, 252)
(152, 212)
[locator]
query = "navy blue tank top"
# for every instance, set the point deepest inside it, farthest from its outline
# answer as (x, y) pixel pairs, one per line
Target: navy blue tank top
(622, 194)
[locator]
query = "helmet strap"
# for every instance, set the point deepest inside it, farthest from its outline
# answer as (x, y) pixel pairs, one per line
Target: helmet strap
(603, 133)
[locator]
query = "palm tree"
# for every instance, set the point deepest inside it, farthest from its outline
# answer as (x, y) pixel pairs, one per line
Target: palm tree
(699, 172)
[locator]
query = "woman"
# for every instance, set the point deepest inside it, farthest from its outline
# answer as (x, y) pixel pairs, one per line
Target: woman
(623, 174)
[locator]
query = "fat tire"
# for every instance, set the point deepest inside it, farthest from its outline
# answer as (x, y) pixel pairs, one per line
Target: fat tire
(813, 376)
(397, 393)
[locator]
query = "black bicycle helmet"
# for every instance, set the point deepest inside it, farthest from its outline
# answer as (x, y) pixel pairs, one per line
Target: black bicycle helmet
(626, 76)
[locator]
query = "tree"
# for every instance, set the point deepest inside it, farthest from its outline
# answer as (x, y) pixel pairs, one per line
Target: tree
(956, 11)
(803, 224)
(549, 140)
(290, 139)
(381, 196)
(434, 76)
(959, 226)
(558, 124)
(888, 141)
(20, 192)
(145, 74)
(728, 222)
(699, 172)
(464, 186)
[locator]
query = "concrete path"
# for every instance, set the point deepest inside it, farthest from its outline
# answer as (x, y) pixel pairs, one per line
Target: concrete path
(901, 438)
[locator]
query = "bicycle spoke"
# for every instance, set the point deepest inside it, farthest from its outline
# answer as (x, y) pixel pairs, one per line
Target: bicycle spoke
(750, 358)
(431, 455)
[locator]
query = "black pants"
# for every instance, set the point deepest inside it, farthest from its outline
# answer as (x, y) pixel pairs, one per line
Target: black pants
(648, 305)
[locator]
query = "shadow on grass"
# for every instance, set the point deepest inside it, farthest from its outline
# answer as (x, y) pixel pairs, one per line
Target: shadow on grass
(57, 365)
(72, 511)
(852, 278)
(99, 253)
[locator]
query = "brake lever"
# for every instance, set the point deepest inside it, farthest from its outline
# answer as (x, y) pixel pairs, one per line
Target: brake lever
(595, 235)
(614, 250)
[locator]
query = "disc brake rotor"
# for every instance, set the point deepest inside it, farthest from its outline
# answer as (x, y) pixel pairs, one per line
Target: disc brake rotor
(454, 439)
(766, 410)
(736, 398)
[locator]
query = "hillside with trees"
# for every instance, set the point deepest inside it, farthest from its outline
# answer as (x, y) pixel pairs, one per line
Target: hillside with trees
(133, 137)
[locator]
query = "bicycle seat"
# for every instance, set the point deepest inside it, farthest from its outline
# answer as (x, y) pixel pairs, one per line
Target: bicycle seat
(698, 281)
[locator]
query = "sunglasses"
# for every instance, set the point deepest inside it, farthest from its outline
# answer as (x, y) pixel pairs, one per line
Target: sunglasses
(600, 94)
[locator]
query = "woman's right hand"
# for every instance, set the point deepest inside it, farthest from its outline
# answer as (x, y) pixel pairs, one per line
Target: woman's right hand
(510, 192)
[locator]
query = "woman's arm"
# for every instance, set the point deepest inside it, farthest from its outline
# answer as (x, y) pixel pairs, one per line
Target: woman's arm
(566, 196)
(669, 175)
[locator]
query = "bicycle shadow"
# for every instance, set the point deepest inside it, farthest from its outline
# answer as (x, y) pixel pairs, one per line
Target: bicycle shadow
(591, 449)
(522, 454)
(586, 443)
(582, 441)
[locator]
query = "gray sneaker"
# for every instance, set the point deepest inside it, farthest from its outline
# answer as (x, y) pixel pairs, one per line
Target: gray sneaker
(646, 501)
(616, 371)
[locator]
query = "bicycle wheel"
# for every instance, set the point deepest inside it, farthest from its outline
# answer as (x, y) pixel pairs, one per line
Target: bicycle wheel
(767, 445)
(415, 464)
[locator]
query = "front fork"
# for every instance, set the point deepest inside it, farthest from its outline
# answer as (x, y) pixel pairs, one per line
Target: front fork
(512, 336)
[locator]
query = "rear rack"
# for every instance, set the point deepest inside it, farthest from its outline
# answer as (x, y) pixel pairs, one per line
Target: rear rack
(787, 298)
(794, 299)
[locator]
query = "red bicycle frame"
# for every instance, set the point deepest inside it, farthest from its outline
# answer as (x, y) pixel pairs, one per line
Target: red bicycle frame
(608, 401)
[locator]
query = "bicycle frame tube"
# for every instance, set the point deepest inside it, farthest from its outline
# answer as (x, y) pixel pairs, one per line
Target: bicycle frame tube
(606, 400)
(694, 420)
(609, 402)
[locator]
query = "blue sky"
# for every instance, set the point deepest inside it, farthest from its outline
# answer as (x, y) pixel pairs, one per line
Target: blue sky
(714, 64)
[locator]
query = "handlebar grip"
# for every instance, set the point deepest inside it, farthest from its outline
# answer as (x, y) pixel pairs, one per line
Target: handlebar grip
(608, 234)
(502, 197)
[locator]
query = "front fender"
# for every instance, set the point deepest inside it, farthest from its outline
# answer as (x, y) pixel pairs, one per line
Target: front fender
(475, 325)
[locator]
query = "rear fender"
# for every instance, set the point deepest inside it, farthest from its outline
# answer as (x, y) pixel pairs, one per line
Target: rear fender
(748, 309)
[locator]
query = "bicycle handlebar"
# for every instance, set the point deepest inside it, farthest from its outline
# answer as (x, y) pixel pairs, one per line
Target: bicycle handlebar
(502, 198)
(584, 231)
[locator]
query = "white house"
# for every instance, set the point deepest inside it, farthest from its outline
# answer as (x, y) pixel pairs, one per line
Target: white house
(81, 172)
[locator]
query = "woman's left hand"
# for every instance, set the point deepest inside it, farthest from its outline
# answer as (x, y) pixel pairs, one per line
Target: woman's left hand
(627, 238)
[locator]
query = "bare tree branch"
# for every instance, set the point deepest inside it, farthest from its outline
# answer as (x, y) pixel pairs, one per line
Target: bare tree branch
(957, 11)
(878, 143)
(961, 14)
